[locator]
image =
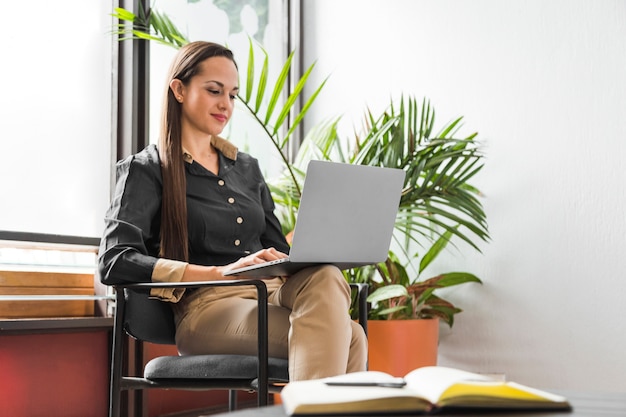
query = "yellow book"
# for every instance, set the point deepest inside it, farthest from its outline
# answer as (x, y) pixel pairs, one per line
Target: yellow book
(424, 390)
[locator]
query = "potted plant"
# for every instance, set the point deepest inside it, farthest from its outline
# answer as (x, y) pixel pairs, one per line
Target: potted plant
(406, 307)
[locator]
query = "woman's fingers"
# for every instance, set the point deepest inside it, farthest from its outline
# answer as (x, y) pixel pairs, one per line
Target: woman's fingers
(271, 254)
(259, 257)
(264, 255)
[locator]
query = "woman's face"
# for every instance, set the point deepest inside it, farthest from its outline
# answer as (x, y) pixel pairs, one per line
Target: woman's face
(209, 98)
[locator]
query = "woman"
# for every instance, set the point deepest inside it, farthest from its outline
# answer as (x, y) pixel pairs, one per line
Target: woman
(194, 207)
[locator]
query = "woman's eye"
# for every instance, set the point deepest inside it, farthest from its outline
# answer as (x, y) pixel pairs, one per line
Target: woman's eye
(214, 91)
(232, 97)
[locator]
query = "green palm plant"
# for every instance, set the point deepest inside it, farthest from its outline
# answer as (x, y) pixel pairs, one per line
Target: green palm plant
(437, 194)
(438, 203)
(149, 25)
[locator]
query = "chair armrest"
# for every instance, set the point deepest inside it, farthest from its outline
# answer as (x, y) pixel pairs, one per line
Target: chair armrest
(192, 284)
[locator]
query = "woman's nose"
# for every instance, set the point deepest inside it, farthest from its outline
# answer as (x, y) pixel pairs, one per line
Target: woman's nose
(224, 103)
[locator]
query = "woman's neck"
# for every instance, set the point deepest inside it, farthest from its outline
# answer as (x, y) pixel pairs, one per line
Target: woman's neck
(203, 153)
(199, 148)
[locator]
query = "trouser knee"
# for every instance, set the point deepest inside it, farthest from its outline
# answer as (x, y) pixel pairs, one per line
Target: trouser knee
(329, 281)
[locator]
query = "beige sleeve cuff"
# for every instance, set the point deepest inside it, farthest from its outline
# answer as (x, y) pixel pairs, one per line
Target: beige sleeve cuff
(167, 270)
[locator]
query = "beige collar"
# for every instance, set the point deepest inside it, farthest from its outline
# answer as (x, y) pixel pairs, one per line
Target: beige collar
(224, 146)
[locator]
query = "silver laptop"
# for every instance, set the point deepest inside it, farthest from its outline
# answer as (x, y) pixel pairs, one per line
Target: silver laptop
(346, 218)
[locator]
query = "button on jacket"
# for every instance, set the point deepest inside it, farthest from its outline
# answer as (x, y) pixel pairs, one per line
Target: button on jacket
(229, 215)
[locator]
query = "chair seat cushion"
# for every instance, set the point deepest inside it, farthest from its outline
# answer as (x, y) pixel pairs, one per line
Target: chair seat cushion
(213, 367)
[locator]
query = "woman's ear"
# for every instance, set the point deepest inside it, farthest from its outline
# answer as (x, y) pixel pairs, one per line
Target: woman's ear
(177, 88)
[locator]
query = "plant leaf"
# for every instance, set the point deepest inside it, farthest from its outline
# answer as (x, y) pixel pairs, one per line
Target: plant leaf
(389, 291)
(278, 87)
(435, 249)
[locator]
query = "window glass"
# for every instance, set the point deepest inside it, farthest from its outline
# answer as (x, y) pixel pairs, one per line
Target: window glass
(29, 256)
(231, 23)
(56, 116)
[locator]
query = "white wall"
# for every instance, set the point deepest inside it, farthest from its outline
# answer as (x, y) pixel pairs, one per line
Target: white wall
(543, 82)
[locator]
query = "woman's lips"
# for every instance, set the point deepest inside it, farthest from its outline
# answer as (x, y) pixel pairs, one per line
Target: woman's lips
(220, 117)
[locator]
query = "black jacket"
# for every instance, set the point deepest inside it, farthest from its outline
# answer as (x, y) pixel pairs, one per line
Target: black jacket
(229, 216)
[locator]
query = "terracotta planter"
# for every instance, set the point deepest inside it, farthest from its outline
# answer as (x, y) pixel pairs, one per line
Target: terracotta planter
(399, 346)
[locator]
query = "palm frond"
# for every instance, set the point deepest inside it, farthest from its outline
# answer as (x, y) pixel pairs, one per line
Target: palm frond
(153, 26)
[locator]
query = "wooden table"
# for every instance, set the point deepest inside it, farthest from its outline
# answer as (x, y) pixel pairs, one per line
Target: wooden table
(584, 404)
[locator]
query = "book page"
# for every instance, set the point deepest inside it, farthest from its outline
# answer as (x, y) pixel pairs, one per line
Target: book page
(446, 386)
(432, 381)
(499, 394)
(364, 378)
(317, 397)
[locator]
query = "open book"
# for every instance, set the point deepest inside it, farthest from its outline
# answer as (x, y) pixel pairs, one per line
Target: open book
(424, 390)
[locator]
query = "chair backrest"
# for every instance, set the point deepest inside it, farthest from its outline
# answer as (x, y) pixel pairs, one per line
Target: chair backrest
(148, 319)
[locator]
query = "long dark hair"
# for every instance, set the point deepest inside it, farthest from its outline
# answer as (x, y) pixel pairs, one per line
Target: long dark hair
(186, 64)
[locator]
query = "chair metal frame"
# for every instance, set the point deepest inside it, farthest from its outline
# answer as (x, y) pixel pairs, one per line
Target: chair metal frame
(261, 384)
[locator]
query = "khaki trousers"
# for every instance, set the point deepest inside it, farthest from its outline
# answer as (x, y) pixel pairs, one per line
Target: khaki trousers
(308, 323)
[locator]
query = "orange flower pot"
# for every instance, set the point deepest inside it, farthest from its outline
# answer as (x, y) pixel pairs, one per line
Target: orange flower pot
(399, 346)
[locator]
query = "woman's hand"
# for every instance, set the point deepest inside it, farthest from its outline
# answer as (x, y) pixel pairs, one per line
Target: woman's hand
(262, 256)
(195, 273)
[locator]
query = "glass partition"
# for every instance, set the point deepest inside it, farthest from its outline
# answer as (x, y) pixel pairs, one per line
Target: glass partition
(234, 24)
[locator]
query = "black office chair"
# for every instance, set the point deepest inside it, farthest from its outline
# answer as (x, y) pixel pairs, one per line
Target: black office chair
(151, 320)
